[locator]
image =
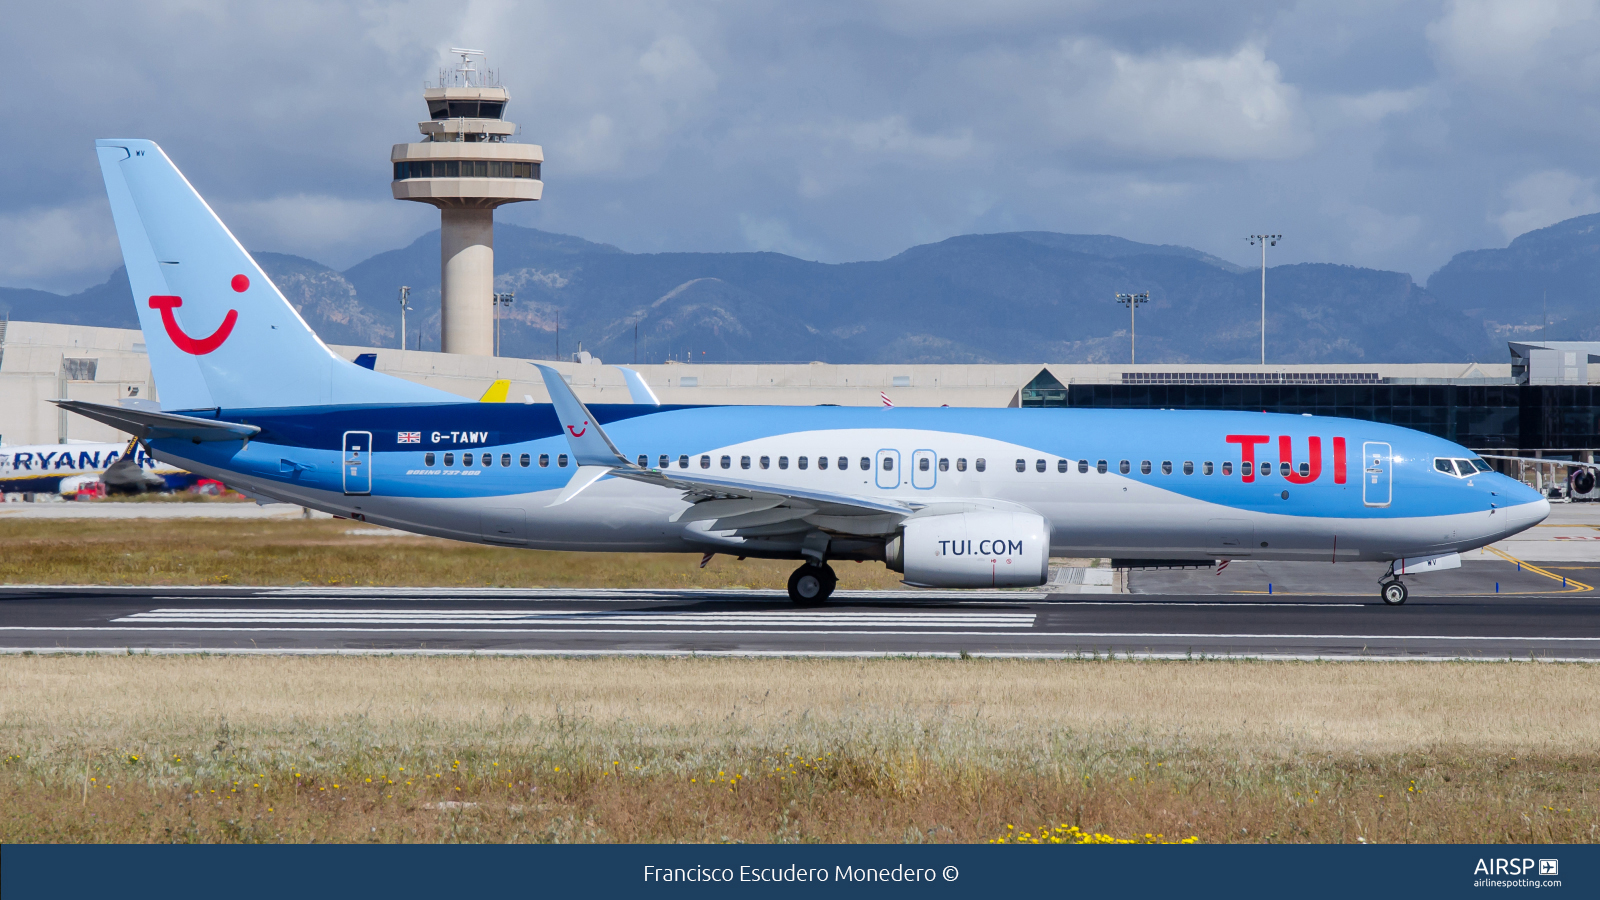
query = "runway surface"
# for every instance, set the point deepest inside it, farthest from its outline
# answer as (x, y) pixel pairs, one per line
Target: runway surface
(400, 620)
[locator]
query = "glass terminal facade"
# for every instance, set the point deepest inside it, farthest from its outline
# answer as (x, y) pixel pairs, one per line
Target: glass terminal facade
(1482, 417)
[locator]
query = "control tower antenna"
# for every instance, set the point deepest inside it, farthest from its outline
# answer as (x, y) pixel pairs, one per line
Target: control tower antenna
(466, 165)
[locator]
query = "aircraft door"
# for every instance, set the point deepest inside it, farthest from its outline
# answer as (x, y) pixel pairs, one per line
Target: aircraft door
(887, 467)
(924, 469)
(357, 467)
(1377, 473)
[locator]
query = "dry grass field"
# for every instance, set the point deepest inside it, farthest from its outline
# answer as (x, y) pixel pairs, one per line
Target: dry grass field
(340, 552)
(622, 749)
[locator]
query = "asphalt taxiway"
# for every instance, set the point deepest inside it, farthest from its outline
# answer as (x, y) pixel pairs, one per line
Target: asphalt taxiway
(1526, 620)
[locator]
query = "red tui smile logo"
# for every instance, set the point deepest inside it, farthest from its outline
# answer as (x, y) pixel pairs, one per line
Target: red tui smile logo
(197, 346)
(576, 433)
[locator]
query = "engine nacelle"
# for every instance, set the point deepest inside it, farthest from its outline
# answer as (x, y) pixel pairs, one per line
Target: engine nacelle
(973, 550)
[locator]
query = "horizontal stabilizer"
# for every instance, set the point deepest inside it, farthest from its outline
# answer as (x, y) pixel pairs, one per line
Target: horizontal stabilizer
(150, 425)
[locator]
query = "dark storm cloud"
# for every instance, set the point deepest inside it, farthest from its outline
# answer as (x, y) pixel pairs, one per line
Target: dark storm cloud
(1379, 134)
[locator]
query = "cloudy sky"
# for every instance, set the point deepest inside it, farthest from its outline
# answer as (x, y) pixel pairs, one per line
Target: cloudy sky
(1381, 134)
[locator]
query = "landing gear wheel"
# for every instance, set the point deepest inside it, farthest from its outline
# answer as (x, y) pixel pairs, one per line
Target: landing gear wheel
(1394, 593)
(812, 584)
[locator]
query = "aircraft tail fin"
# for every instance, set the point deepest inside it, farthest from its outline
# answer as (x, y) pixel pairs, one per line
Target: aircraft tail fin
(218, 332)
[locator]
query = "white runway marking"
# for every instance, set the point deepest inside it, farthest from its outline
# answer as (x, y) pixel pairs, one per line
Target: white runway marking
(389, 617)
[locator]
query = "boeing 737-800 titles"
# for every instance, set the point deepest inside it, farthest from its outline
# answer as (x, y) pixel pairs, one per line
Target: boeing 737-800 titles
(948, 497)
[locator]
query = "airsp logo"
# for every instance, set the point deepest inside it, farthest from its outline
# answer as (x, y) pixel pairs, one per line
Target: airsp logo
(1501, 866)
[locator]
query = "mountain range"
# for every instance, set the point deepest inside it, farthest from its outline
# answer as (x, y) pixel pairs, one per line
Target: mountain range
(1012, 297)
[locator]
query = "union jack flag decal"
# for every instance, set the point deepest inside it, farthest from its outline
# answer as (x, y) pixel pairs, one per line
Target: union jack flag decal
(409, 437)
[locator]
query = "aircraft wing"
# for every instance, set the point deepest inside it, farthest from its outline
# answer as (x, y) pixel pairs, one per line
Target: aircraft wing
(147, 424)
(729, 502)
(712, 487)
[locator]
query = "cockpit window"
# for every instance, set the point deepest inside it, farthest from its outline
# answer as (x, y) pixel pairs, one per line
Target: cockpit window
(1461, 468)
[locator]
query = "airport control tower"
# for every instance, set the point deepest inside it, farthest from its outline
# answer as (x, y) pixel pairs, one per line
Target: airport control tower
(466, 165)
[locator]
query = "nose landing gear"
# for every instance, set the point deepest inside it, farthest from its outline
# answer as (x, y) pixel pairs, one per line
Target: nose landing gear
(812, 584)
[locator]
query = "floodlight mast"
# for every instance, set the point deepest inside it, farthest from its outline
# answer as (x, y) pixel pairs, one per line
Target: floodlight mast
(405, 294)
(1132, 301)
(1264, 240)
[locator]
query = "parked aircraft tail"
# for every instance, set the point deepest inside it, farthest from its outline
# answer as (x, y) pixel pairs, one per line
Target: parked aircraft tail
(218, 331)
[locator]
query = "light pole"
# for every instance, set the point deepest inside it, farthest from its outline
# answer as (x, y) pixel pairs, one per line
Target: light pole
(1264, 240)
(499, 301)
(1132, 301)
(405, 294)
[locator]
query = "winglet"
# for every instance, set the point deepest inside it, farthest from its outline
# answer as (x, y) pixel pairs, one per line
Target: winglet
(497, 392)
(638, 391)
(590, 445)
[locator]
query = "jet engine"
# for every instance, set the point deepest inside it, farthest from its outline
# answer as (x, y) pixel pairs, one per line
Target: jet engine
(972, 550)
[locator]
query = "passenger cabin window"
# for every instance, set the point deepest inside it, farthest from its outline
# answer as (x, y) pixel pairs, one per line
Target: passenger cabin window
(683, 461)
(1283, 468)
(1061, 466)
(449, 459)
(705, 462)
(844, 463)
(663, 461)
(944, 463)
(466, 459)
(525, 460)
(766, 462)
(1188, 467)
(1100, 467)
(922, 464)
(1244, 469)
(505, 460)
(427, 459)
(1227, 468)
(1124, 467)
(822, 462)
(888, 464)
(800, 462)
(544, 460)
(1305, 469)
(644, 461)
(727, 462)
(561, 461)
(1038, 465)
(488, 460)
(866, 463)
(1205, 467)
(1166, 467)
(979, 464)
(1022, 465)
(1083, 466)
(961, 464)
(1144, 467)
(744, 462)
(783, 462)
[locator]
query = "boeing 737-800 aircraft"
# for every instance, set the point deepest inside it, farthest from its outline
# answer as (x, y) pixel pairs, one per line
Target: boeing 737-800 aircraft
(948, 497)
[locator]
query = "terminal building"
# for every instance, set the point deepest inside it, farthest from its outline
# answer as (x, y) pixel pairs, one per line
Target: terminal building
(1540, 404)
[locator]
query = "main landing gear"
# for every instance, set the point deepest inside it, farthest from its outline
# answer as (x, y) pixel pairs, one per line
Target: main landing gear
(1392, 589)
(812, 584)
